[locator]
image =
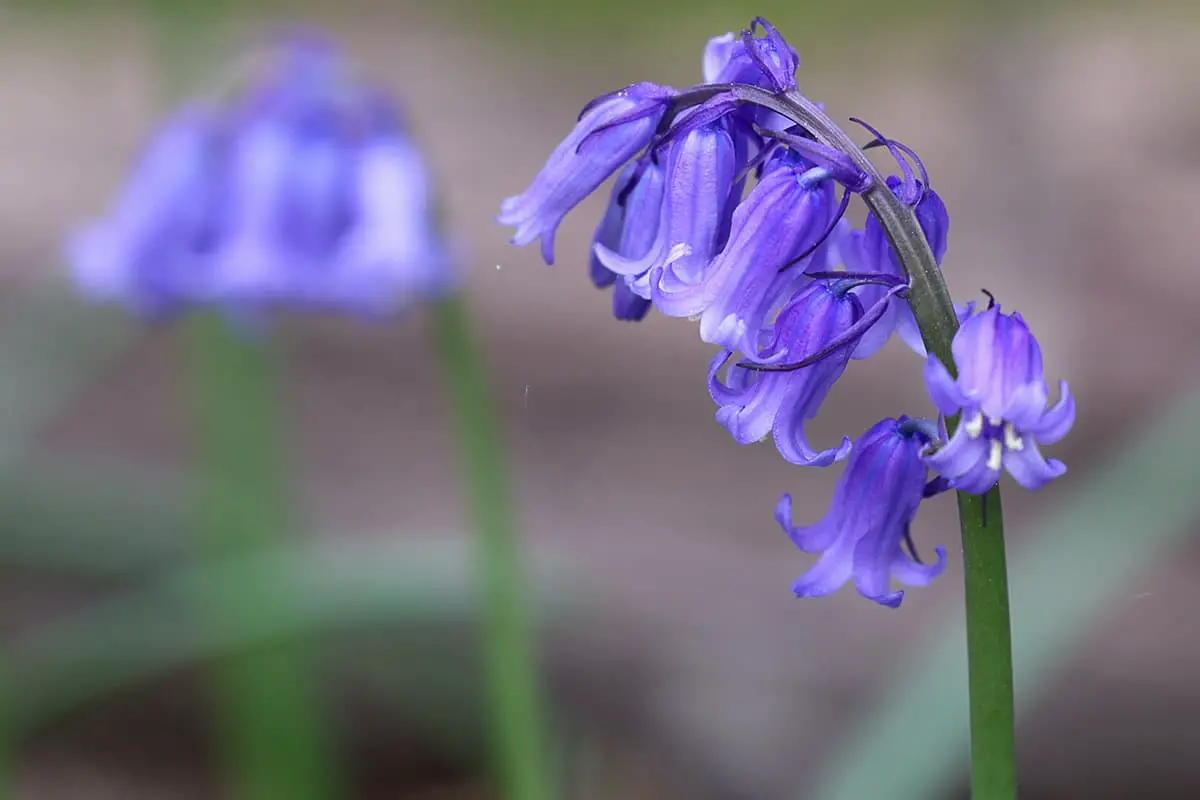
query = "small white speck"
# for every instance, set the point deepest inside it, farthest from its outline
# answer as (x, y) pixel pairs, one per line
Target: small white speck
(497, 266)
(526, 402)
(1141, 596)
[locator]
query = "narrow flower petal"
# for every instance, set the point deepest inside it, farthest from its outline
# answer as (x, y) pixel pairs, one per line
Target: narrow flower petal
(1029, 468)
(809, 538)
(910, 573)
(1057, 422)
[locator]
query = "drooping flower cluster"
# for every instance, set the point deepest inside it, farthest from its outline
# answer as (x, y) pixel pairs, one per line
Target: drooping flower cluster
(304, 191)
(725, 210)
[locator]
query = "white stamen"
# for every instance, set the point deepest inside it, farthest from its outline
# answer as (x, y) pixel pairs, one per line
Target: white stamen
(678, 251)
(974, 426)
(1011, 440)
(996, 457)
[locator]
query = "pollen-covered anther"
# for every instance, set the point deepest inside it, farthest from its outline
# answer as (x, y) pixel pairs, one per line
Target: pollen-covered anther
(995, 455)
(1013, 440)
(974, 425)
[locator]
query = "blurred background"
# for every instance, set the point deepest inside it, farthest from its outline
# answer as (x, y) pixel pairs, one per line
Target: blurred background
(1065, 140)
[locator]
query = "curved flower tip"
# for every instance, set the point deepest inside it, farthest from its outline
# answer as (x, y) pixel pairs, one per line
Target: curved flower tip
(612, 129)
(861, 538)
(284, 196)
(767, 61)
(1002, 395)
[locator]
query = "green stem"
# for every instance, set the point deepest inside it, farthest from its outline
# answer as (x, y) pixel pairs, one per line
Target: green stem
(516, 715)
(989, 647)
(269, 728)
(989, 637)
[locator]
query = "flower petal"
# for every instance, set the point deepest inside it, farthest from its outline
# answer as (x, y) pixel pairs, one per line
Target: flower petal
(626, 305)
(779, 219)
(943, 390)
(809, 538)
(830, 573)
(1029, 468)
(1057, 422)
(960, 456)
(699, 176)
(910, 573)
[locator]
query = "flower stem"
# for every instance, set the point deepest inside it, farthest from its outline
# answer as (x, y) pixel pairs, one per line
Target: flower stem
(989, 647)
(268, 722)
(514, 702)
(989, 636)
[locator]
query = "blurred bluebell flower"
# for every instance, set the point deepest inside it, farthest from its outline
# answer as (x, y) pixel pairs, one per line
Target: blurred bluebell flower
(1002, 394)
(863, 535)
(302, 191)
(610, 131)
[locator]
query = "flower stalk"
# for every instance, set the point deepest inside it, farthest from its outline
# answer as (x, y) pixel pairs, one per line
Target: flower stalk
(271, 731)
(513, 694)
(989, 632)
(791, 292)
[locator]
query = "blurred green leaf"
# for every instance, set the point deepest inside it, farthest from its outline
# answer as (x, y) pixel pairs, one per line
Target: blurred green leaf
(1127, 514)
(120, 643)
(87, 521)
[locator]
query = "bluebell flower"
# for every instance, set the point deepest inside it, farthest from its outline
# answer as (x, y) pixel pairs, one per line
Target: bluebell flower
(767, 61)
(611, 130)
(754, 403)
(629, 228)
(1002, 394)
(305, 191)
(164, 225)
(701, 170)
(869, 251)
(861, 538)
(783, 216)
